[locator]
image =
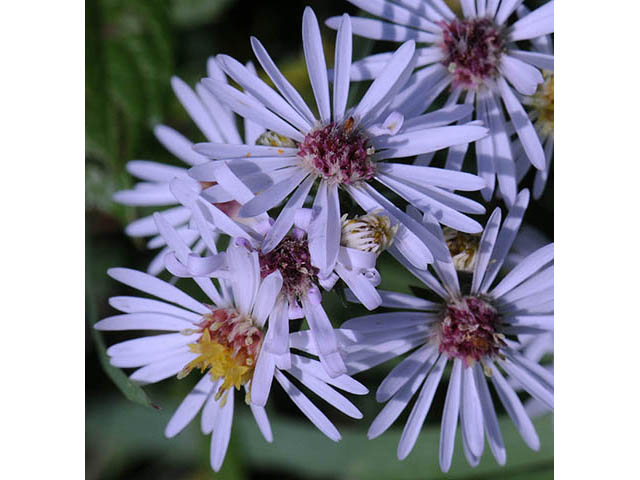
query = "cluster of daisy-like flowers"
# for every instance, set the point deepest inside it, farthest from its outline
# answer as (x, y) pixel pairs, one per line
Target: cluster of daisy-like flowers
(487, 308)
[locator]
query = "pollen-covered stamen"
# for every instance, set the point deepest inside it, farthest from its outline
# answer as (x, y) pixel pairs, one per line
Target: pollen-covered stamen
(339, 153)
(292, 258)
(542, 103)
(368, 233)
(273, 139)
(472, 50)
(469, 330)
(463, 248)
(228, 348)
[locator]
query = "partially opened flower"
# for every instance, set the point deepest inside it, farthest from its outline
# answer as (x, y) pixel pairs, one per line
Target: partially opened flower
(229, 340)
(474, 328)
(343, 149)
(463, 248)
(362, 240)
(478, 57)
(217, 123)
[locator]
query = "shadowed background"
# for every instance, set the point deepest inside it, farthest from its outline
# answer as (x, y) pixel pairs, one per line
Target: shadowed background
(133, 48)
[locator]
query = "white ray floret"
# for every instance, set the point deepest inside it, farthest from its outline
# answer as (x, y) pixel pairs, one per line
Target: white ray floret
(541, 112)
(342, 149)
(472, 327)
(217, 123)
(478, 58)
(230, 338)
(361, 241)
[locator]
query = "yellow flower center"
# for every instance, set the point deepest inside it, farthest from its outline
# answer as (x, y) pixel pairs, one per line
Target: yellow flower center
(463, 248)
(228, 349)
(542, 103)
(273, 139)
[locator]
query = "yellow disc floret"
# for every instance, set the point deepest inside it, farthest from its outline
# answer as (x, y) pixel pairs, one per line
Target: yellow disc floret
(228, 349)
(542, 103)
(463, 248)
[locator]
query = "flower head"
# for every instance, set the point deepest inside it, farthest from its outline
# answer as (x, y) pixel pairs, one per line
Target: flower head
(472, 49)
(231, 340)
(368, 233)
(541, 114)
(338, 153)
(476, 328)
(341, 148)
(292, 259)
(463, 248)
(469, 329)
(228, 348)
(478, 56)
(217, 123)
(542, 104)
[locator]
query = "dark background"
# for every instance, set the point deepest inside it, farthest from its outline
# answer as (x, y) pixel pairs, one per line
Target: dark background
(133, 47)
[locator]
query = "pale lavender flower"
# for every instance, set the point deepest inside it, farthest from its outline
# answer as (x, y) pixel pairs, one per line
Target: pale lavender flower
(230, 338)
(217, 123)
(541, 113)
(474, 328)
(300, 295)
(535, 348)
(529, 238)
(342, 149)
(478, 57)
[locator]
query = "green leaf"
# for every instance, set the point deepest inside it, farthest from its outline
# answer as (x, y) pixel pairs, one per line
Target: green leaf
(100, 138)
(138, 60)
(131, 390)
(129, 58)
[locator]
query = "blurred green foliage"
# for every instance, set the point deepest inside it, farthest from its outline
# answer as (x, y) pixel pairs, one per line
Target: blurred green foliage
(128, 432)
(133, 47)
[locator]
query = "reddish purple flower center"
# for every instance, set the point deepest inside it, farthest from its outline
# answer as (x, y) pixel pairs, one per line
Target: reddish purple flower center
(469, 330)
(292, 258)
(339, 153)
(472, 49)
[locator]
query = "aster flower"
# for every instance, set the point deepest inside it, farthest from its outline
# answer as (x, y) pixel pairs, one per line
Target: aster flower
(229, 340)
(362, 239)
(474, 329)
(541, 111)
(217, 123)
(477, 56)
(343, 149)
(365, 237)
(528, 240)
(535, 348)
